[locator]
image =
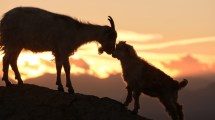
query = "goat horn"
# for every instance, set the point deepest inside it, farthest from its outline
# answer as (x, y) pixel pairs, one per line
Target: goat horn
(111, 22)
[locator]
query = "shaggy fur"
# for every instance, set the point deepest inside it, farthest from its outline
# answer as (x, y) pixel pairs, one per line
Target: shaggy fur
(39, 30)
(141, 76)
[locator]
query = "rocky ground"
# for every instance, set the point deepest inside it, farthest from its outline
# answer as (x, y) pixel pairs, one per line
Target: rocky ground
(31, 102)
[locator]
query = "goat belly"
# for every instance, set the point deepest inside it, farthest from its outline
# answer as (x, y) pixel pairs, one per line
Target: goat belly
(152, 88)
(151, 92)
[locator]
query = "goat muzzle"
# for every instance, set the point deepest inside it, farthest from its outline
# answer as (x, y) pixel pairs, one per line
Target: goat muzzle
(113, 55)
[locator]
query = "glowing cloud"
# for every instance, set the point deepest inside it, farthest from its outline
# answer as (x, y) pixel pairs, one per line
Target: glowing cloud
(136, 37)
(179, 43)
(188, 65)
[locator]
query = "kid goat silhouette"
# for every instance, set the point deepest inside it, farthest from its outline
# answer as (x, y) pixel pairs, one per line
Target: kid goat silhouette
(142, 77)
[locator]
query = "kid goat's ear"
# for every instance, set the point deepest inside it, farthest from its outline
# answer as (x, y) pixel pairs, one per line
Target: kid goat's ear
(122, 42)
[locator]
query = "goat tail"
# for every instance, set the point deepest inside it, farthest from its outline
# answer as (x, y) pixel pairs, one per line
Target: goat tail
(182, 84)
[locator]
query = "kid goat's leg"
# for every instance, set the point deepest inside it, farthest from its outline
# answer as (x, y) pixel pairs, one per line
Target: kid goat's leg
(180, 112)
(136, 96)
(171, 108)
(66, 66)
(129, 96)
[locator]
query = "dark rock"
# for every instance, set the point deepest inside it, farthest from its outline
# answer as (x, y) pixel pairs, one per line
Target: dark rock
(31, 102)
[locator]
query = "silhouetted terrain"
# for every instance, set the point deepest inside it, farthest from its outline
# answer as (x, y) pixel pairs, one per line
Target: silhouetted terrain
(31, 102)
(197, 98)
(198, 102)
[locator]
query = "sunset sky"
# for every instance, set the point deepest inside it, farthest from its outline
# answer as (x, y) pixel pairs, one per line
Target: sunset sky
(176, 36)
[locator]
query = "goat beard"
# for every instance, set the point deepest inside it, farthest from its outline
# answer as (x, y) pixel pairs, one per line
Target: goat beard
(100, 50)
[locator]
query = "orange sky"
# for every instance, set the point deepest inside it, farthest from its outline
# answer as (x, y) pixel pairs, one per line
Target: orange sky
(172, 35)
(177, 36)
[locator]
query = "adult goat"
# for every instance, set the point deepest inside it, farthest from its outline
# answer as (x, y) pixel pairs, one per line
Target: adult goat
(39, 30)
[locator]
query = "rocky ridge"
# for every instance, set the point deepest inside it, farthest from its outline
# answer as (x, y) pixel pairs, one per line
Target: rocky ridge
(31, 102)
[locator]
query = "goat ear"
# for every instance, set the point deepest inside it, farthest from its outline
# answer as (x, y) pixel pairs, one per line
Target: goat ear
(122, 42)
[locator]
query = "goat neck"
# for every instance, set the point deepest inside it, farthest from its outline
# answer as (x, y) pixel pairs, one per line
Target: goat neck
(129, 62)
(89, 33)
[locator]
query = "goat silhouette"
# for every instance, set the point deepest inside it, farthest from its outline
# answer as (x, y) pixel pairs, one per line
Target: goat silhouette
(141, 76)
(40, 30)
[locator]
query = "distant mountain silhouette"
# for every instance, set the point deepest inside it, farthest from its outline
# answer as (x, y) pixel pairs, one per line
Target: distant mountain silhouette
(199, 81)
(199, 104)
(31, 102)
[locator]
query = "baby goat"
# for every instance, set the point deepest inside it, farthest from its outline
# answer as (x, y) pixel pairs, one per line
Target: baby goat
(141, 76)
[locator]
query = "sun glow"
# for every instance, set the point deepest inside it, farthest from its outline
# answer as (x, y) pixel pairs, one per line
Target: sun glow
(103, 71)
(31, 65)
(75, 56)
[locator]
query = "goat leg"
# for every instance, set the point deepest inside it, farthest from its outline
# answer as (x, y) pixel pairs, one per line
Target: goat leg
(5, 70)
(59, 65)
(66, 66)
(180, 112)
(13, 63)
(129, 96)
(136, 96)
(171, 108)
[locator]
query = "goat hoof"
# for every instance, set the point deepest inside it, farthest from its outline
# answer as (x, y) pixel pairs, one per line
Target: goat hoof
(134, 112)
(20, 82)
(60, 89)
(71, 91)
(125, 104)
(8, 84)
